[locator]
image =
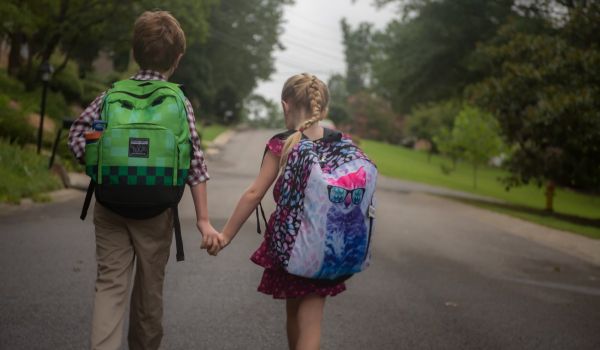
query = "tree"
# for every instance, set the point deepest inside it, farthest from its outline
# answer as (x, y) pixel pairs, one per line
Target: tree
(358, 52)
(222, 72)
(474, 137)
(338, 104)
(373, 118)
(426, 56)
(447, 146)
(426, 121)
(544, 90)
(263, 112)
(79, 29)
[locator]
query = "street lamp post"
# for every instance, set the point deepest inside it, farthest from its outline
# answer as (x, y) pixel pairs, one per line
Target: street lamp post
(46, 71)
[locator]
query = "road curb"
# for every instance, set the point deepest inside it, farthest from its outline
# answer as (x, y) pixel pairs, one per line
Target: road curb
(214, 147)
(575, 245)
(57, 196)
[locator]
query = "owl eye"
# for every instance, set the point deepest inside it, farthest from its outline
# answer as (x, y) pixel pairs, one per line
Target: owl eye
(357, 195)
(337, 194)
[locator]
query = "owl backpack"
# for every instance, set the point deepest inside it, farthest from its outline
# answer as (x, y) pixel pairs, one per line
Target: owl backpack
(323, 222)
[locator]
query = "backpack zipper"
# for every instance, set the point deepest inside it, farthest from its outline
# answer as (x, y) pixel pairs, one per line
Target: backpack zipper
(144, 96)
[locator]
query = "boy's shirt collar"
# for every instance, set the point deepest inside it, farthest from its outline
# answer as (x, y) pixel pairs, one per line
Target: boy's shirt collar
(147, 74)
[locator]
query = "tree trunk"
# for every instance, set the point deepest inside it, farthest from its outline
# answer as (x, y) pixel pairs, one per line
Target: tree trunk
(475, 175)
(14, 56)
(550, 188)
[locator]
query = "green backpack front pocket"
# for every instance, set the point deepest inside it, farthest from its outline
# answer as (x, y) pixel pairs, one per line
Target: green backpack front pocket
(138, 155)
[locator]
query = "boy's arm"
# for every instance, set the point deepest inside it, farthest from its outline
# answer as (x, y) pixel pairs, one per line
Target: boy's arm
(76, 140)
(198, 171)
(209, 234)
(198, 175)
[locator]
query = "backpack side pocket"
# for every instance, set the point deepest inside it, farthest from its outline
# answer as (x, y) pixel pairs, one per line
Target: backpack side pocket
(91, 160)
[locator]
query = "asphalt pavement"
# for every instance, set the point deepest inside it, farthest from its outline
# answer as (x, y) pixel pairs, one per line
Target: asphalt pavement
(443, 276)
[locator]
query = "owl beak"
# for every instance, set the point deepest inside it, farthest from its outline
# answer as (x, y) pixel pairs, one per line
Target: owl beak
(348, 200)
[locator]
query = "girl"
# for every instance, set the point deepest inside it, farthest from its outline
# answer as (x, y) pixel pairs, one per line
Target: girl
(304, 99)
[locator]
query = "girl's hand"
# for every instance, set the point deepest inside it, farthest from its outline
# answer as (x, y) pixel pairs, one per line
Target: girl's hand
(223, 241)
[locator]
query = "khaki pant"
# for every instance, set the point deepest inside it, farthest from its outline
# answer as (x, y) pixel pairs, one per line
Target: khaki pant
(119, 241)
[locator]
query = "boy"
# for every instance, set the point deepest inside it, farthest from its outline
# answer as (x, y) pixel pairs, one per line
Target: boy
(158, 45)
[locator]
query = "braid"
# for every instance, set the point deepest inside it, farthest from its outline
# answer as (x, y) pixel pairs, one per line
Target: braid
(314, 96)
(307, 91)
(316, 100)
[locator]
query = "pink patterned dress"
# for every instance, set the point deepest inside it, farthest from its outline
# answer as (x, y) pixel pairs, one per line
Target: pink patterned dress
(275, 281)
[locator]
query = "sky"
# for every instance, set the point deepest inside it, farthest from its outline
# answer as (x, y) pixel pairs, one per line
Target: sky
(312, 37)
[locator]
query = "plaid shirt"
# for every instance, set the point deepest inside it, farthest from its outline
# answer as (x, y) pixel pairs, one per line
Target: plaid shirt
(198, 172)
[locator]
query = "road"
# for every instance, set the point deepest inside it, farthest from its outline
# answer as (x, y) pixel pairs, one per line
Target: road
(441, 278)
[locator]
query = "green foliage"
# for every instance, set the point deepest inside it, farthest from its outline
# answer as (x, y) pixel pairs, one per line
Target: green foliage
(16, 104)
(210, 132)
(220, 73)
(67, 82)
(545, 91)
(411, 165)
(373, 118)
(79, 29)
(91, 88)
(447, 146)
(338, 104)
(263, 113)
(358, 49)
(474, 137)
(24, 173)
(426, 56)
(12, 123)
(428, 120)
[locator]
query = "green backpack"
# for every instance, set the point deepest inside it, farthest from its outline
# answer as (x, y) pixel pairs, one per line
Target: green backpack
(139, 166)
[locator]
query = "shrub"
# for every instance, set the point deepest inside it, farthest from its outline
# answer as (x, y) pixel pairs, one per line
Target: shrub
(24, 173)
(13, 126)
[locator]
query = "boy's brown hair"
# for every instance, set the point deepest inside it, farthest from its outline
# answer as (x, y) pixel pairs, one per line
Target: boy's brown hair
(158, 40)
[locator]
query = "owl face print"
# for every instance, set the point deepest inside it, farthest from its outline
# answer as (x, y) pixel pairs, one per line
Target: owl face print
(347, 191)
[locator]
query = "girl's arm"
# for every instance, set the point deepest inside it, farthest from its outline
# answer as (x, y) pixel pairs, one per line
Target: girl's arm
(251, 197)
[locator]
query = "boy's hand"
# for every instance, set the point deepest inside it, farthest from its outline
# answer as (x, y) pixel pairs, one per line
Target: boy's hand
(210, 237)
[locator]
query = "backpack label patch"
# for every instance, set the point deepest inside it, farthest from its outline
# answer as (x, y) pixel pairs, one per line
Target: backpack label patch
(139, 148)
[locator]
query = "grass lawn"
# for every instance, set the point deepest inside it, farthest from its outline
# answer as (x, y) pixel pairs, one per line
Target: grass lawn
(209, 133)
(575, 211)
(24, 173)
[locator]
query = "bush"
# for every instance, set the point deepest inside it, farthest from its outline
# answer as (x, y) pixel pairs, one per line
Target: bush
(13, 126)
(91, 90)
(68, 83)
(10, 85)
(23, 173)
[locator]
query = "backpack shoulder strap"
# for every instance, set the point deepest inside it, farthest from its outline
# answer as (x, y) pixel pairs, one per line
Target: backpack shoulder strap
(282, 136)
(259, 206)
(330, 135)
(178, 239)
(88, 199)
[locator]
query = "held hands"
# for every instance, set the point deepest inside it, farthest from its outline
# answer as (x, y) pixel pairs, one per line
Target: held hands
(212, 240)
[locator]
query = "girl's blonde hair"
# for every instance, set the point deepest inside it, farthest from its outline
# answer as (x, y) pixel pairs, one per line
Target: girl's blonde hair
(304, 92)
